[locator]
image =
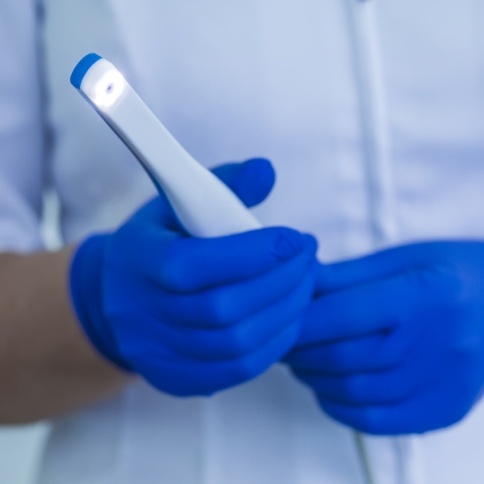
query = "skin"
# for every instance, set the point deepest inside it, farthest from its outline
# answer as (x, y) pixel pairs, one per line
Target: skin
(47, 367)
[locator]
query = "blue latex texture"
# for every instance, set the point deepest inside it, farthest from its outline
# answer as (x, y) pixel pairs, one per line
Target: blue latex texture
(195, 316)
(394, 342)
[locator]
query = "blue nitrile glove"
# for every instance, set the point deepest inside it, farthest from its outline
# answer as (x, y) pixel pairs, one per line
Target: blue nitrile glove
(194, 316)
(395, 342)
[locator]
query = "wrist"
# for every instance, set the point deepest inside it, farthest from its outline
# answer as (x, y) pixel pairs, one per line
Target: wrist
(86, 292)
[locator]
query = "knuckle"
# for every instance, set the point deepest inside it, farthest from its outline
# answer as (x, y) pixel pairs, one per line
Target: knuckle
(443, 287)
(370, 421)
(172, 271)
(219, 308)
(418, 280)
(340, 358)
(355, 388)
(440, 283)
(238, 343)
(175, 270)
(246, 369)
(387, 349)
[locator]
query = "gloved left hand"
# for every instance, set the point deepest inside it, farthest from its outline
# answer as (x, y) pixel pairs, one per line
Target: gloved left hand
(194, 316)
(394, 344)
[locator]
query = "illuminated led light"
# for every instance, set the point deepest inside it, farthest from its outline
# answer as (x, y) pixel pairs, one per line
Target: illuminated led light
(108, 89)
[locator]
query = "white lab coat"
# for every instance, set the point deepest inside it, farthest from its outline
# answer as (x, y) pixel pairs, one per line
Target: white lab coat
(373, 113)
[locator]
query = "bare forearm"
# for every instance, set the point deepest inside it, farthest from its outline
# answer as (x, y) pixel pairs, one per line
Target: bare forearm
(47, 367)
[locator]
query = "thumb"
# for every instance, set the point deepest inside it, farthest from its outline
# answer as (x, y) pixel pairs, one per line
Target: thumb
(251, 181)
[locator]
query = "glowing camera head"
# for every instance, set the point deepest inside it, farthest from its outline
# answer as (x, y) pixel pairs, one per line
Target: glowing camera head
(99, 81)
(108, 89)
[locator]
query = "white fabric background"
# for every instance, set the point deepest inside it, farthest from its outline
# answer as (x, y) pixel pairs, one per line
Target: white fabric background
(20, 449)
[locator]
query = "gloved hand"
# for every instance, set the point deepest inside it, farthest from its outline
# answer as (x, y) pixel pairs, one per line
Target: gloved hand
(394, 344)
(194, 316)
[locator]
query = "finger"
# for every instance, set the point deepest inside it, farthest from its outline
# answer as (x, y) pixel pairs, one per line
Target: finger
(229, 304)
(417, 372)
(376, 266)
(186, 265)
(187, 377)
(158, 212)
(363, 389)
(251, 181)
(374, 352)
(445, 394)
(423, 413)
(357, 311)
(241, 339)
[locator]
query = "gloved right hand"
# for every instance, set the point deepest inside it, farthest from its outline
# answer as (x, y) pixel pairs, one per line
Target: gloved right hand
(194, 316)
